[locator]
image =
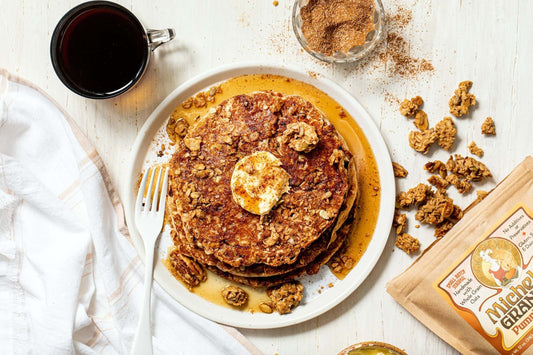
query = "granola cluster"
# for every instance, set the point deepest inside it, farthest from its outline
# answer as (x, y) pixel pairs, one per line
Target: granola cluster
(488, 127)
(399, 170)
(407, 243)
(434, 206)
(446, 132)
(421, 141)
(202, 98)
(285, 297)
(462, 100)
(474, 149)
(409, 108)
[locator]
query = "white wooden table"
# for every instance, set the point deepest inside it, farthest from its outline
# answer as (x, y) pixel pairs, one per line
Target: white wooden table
(489, 42)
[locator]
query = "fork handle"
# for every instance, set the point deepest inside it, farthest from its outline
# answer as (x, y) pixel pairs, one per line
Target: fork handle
(142, 344)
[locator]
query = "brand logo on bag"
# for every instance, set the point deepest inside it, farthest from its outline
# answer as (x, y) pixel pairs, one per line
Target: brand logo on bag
(496, 262)
(491, 286)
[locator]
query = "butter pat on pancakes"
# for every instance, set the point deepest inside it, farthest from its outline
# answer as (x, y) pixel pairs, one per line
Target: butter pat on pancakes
(258, 182)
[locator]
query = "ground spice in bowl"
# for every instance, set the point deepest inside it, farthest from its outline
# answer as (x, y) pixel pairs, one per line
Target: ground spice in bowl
(339, 29)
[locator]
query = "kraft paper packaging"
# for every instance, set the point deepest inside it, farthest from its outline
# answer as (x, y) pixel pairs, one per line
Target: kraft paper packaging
(474, 287)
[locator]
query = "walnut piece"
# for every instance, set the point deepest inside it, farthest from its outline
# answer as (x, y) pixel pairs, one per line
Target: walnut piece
(407, 243)
(399, 222)
(488, 127)
(421, 120)
(461, 101)
(186, 269)
(234, 296)
(413, 196)
(286, 297)
(422, 141)
(467, 168)
(301, 136)
(399, 171)
(437, 208)
(409, 108)
(474, 149)
(446, 132)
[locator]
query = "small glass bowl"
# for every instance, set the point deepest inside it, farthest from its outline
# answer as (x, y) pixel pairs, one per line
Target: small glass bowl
(356, 52)
(371, 345)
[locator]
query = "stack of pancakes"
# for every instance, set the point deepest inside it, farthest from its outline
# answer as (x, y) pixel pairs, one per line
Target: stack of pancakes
(309, 223)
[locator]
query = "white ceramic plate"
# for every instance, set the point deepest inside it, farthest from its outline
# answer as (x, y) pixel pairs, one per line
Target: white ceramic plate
(314, 303)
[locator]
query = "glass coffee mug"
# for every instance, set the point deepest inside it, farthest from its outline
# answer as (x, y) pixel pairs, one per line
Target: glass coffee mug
(99, 49)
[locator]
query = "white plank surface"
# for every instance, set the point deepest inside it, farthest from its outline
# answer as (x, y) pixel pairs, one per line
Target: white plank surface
(489, 42)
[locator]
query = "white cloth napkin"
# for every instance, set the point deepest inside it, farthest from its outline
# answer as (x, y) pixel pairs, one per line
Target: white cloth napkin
(70, 280)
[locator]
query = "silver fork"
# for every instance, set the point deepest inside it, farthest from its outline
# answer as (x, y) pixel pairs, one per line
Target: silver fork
(149, 215)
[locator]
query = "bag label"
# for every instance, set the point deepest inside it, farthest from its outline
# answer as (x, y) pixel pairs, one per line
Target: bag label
(491, 285)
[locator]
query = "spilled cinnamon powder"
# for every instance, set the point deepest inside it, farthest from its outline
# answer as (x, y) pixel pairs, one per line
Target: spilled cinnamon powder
(393, 52)
(331, 26)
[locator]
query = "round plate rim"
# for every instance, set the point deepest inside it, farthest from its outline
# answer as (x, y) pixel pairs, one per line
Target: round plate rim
(334, 295)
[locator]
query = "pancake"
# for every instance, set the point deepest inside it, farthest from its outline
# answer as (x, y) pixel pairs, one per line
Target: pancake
(261, 270)
(203, 212)
(310, 269)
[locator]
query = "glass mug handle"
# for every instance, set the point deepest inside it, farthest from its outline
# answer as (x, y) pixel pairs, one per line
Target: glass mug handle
(158, 37)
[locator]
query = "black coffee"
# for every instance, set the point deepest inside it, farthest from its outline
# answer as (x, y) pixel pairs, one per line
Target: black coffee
(100, 51)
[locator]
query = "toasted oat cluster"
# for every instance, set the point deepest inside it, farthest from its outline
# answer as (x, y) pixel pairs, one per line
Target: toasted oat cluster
(234, 296)
(409, 108)
(434, 208)
(488, 127)
(407, 243)
(474, 149)
(341, 262)
(437, 208)
(446, 132)
(436, 166)
(438, 182)
(413, 196)
(468, 168)
(399, 222)
(462, 185)
(462, 100)
(202, 98)
(421, 141)
(286, 297)
(177, 127)
(399, 170)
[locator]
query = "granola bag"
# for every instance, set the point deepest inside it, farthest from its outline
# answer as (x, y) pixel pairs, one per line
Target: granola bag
(474, 287)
